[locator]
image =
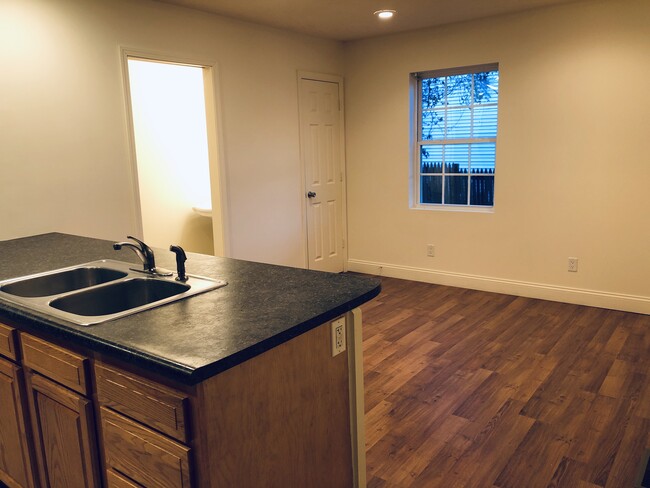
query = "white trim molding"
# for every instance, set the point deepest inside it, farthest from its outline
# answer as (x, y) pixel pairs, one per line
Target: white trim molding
(216, 152)
(591, 298)
(357, 408)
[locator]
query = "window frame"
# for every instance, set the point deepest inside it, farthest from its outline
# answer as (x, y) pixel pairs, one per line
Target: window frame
(417, 142)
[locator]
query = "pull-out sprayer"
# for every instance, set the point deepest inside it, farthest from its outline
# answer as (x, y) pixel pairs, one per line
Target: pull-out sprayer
(180, 262)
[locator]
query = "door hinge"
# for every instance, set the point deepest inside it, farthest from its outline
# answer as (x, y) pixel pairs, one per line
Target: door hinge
(343, 243)
(341, 176)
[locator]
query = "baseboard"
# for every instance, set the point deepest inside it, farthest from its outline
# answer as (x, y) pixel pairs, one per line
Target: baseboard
(592, 298)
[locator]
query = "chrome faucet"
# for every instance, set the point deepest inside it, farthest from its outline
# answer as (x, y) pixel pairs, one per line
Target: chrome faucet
(145, 253)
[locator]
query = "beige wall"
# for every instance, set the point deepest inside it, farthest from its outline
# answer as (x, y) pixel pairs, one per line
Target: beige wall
(64, 144)
(572, 156)
(573, 171)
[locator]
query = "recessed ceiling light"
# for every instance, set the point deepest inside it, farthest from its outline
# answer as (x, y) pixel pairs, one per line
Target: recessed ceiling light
(385, 14)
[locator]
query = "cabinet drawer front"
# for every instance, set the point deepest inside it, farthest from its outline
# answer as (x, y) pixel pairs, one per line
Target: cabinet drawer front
(8, 341)
(143, 455)
(158, 407)
(62, 366)
(116, 480)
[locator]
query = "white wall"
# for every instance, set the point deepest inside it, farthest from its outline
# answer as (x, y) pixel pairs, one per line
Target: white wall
(573, 174)
(64, 148)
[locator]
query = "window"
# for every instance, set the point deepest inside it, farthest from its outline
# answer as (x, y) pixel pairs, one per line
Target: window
(456, 136)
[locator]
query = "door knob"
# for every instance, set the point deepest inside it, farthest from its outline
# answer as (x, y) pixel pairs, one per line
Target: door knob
(311, 194)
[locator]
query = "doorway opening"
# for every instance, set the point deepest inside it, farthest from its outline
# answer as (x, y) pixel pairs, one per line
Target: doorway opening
(170, 121)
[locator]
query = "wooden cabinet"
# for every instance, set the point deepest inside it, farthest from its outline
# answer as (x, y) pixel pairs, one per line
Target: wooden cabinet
(62, 419)
(142, 423)
(116, 480)
(15, 462)
(152, 404)
(64, 431)
(8, 341)
(59, 364)
(143, 455)
(47, 427)
(282, 418)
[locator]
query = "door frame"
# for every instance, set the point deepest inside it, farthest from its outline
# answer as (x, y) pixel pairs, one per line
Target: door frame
(313, 76)
(216, 153)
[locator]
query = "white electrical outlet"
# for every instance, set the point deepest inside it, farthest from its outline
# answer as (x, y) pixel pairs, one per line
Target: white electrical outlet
(338, 336)
(431, 250)
(573, 265)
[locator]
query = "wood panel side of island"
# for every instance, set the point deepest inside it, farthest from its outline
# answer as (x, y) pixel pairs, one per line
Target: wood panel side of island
(279, 419)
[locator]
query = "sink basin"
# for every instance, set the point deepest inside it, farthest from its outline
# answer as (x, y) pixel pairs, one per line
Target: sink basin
(99, 291)
(62, 282)
(117, 297)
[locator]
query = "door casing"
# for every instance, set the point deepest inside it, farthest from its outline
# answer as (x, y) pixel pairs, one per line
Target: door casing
(218, 175)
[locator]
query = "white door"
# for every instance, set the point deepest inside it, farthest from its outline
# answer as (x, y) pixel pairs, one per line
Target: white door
(320, 143)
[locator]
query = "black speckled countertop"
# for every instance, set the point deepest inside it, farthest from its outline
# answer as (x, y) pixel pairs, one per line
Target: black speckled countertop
(192, 339)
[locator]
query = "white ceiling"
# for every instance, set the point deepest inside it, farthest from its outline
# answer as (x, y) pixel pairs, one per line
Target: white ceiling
(346, 20)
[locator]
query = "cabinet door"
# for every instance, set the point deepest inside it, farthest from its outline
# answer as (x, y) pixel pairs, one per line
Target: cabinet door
(15, 464)
(64, 435)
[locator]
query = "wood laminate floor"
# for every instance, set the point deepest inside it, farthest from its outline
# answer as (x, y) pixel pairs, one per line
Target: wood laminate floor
(472, 389)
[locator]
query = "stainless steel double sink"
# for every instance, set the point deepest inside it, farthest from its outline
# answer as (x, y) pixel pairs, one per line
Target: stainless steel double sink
(99, 291)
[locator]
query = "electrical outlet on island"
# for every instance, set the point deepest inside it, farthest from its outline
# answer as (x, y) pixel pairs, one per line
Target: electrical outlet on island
(338, 336)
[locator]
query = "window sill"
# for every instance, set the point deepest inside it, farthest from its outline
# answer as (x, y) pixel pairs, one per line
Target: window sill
(453, 208)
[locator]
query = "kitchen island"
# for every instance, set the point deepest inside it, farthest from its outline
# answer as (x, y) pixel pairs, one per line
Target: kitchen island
(234, 387)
